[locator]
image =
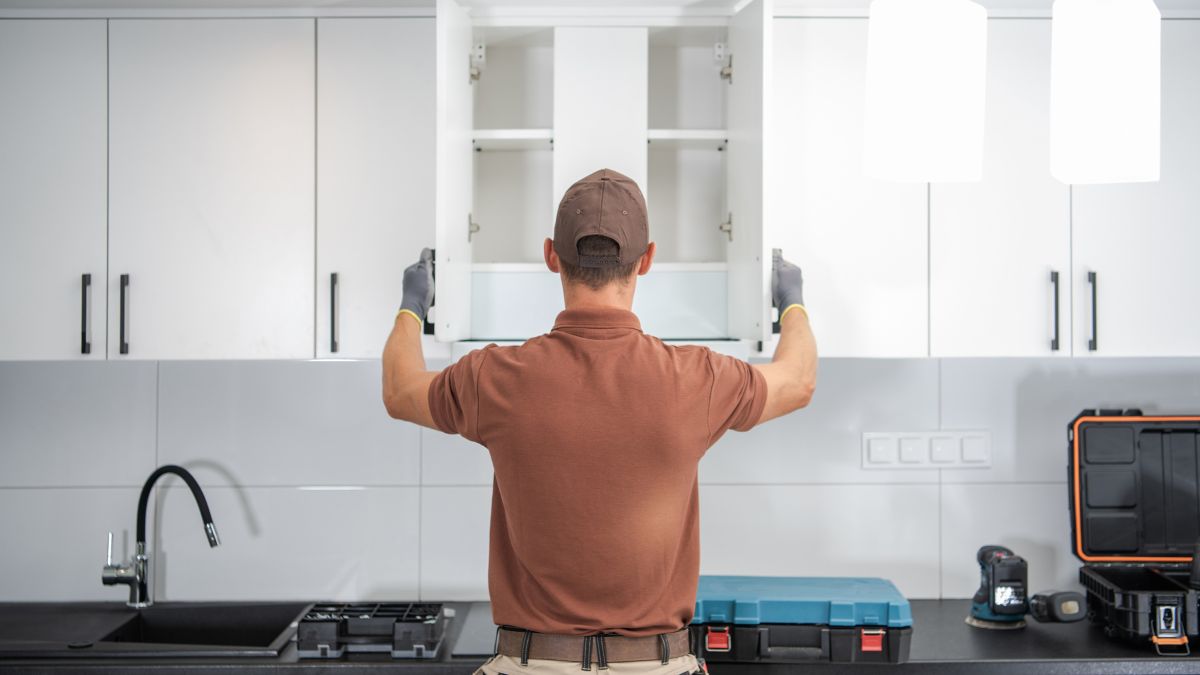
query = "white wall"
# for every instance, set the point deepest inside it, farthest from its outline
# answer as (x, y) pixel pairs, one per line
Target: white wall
(318, 494)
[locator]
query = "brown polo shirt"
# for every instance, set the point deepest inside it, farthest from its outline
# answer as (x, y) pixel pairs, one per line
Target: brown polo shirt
(595, 431)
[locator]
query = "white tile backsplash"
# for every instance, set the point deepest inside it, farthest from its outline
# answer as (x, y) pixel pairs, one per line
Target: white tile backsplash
(74, 423)
(823, 530)
(454, 542)
(823, 442)
(1030, 519)
(790, 497)
(1028, 403)
(284, 543)
(284, 423)
(450, 459)
(55, 539)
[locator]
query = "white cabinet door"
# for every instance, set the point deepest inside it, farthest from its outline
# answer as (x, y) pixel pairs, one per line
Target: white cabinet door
(750, 160)
(1141, 240)
(861, 243)
(375, 149)
(601, 103)
(211, 171)
(455, 189)
(996, 245)
(52, 188)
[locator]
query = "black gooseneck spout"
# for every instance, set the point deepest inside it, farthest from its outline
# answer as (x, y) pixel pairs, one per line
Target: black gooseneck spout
(210, 530)
(136, 574)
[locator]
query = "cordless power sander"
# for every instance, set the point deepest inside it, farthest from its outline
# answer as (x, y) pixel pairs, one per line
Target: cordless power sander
(1002, 600)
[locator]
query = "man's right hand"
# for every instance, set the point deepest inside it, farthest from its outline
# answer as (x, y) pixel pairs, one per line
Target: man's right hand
(787, 284)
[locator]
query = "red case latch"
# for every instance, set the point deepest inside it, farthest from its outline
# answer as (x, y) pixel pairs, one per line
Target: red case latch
(717, 639)
(872, 640)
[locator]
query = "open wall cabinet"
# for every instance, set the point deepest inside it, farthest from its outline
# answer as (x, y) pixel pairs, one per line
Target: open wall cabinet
(525, 110)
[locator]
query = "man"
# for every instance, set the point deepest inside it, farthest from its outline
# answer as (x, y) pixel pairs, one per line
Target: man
(595, 431)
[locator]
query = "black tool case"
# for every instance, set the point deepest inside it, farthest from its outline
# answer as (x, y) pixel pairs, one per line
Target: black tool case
(1135, 520)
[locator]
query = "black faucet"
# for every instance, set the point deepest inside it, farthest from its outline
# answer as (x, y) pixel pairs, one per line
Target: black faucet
(136, 574)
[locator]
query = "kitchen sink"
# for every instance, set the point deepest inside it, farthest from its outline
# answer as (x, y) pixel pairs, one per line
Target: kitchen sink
(169, 629)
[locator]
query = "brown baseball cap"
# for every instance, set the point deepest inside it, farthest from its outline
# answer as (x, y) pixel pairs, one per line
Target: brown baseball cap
(607, 204)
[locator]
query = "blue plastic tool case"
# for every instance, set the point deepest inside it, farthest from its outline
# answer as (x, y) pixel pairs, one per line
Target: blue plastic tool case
(742, 619)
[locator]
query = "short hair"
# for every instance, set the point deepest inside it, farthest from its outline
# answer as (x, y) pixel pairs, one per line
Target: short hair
(598, 277)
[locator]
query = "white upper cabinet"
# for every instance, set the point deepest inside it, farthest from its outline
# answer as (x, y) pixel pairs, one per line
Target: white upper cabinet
(1140, 241)
(454, 171)
(376, 152)
(861, 243)
(52, 192)
(548, 105)
(212, 188)
(998, 245)
(749, 115)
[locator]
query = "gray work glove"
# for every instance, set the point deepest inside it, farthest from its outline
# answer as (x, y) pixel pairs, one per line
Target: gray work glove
(418, 286)
(787, 284)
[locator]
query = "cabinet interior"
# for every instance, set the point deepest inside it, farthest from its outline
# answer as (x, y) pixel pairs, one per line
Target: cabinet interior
(513, 110)
(685, 190)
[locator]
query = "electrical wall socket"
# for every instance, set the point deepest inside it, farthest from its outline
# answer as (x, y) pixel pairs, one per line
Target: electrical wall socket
(927, 450)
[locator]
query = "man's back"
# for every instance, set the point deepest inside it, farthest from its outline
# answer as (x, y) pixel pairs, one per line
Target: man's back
(595, 430)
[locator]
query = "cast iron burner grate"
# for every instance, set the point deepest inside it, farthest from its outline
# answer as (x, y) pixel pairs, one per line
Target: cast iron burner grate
(406, 630)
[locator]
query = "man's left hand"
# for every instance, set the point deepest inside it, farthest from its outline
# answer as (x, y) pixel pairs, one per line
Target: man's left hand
(418, 286)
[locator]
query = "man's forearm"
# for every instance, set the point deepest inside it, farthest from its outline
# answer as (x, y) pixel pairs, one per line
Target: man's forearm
(405, 380)
(792, 374)
(796, 342)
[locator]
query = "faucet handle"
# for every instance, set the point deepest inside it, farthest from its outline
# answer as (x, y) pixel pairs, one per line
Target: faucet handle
(109, 558)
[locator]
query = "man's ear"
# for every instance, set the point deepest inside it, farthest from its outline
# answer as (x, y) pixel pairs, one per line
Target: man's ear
(550, 256)
(646, 260)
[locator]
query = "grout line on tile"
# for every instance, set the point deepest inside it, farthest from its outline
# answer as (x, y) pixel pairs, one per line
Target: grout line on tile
(951, 481)
(420, 505)
(847, 484)
(939, 402)
(338, 487)
(157, 407)
(14, 488)
(941, 571)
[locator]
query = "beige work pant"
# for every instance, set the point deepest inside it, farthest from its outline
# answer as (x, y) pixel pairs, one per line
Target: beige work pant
(508, 665)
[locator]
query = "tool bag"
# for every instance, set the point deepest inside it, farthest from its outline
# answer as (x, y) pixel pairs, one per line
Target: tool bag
(800, 620)
(1135, 521)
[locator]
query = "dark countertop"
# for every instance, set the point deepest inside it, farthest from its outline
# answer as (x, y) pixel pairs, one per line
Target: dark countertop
(941, 643)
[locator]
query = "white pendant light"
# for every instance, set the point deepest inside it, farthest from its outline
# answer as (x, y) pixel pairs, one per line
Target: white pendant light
(1105, 91)
(926, 74)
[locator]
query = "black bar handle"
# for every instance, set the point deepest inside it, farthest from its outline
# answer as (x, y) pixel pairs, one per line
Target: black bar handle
(1054, 283)
(124, 314)
(1092, 340)
(333, 312)
(85, 344)
(428, 328)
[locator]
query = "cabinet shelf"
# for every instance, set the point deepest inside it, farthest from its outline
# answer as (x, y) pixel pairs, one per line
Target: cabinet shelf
(513, 139)
(687, 138)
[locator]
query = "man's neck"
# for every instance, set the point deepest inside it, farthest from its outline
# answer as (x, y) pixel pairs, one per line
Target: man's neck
(613, 296)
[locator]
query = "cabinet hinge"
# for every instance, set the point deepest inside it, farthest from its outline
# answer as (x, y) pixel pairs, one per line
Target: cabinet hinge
(727, 71)
(472, 227)
(477, 61)
(727, 227)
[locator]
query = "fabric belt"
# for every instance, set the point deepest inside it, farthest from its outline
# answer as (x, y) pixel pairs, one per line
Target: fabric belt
(604, 648)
